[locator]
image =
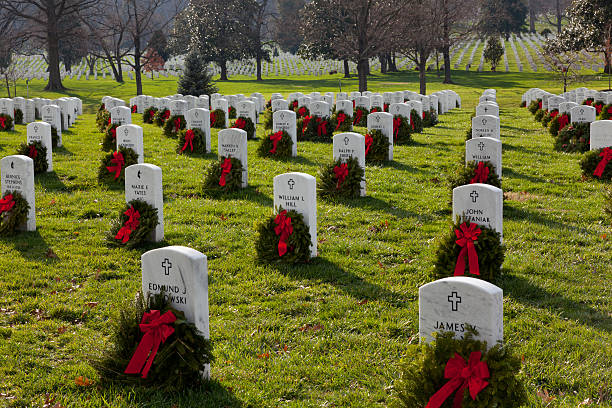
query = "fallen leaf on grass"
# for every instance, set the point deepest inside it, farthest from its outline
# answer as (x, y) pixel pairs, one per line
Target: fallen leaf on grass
(263, 356)
(306, 327)
(62, 330)
(83, 381)
(223, 217)
(380, 265)
(604, 236)
(363, 302)
(51, 254)
(91, 304)
(543, 394)
(52, 201)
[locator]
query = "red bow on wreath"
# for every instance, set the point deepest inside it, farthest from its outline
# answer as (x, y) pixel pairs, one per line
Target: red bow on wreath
(134, 109)
(152, 114)
(305, 123)
(368, 143)
(294, 104)
(610, 110)
(302, 111)
(177, 124)
(606, 156)
(2, 122)
(397, 122)
(275, 138)
(341, 119)
(156, 328)
(322, 127)
(118, 162)
(463, 376)
(540, 105)
(465, 239)
(109, 121)
(554, 114)
(7, 203)
(283, 229)
(588, 102)
(563, 121)
(166, 114)
(189, 136)
(341, 174)
(114, 133)
(129, 226)
(358, 115)
(374, 110)
(213, 118)
(226, 167)
(482, 174)
(598, 108)
(240, 123)
(423, 115)
(32, 152)
(386, 107)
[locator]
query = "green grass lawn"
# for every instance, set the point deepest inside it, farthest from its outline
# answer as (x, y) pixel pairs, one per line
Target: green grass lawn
(330, 333)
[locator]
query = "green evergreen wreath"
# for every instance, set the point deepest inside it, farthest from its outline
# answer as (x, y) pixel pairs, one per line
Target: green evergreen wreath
(6, 125)
(548, 116)
(102, 120)
(249, 127)
(327, 184)
(588, 101)
(430, 118)
(54, 137)
(18, 116)
(107, 177)
(589, 163)
(379, 150)
(170, 127)
(345, 126)
(535, 106)
(416, 121)
(574, 138)
(40, 156)
(219, 122)
(233, 179)
(302, 112)
(311, 131)
(284, 147)
(298, 243)
(488, 247)
(363, 121)
(179, 362)
(553, 126)
(17, 216)
(464, 174)
(161, 116)
(606, 112)
(403, 133)
(109, 142)
(598, 105)
(232, 112)
(539, 115)
(147, 223)
(199, 142)
(267, 119)
(422, 373)
(293, 105)
(148, 116)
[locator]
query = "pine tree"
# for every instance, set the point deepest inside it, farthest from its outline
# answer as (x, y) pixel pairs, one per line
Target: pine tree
(196, 80)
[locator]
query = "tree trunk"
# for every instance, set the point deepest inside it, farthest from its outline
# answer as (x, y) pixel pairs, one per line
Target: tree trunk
(8, 86)
(223, 65)
(258, 58)
(532, 16)
(422, 75)
(447, 65)
(383, 64)
(347, 70)
(391, 63)
(138, 67)
(119, 69)
(91, 62)
(55, 78)
(362, 72)
(559, 17)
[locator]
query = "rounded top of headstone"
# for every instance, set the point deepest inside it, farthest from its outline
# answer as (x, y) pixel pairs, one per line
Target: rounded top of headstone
(175, 249)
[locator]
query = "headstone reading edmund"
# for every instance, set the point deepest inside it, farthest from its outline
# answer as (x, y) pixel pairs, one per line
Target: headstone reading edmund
(233, 143)
(485, 149)
(41, 132)
(347, 145)
(131, 136)
(144, 182)
(286, 120)
(17, 174)
(481, 204)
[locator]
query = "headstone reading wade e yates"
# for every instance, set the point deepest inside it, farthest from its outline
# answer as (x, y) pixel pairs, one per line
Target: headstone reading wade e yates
(131, 136)
(347, 145)
(383, 121)
(485, 126)
(298, 191)
(144, 182)
(601, 134)
(41, 132)
(485, 149)
(182, 274)
(232, 142)
(199, 118)
(286, 120)
(481, 204)
(450, 304)
(17, 174)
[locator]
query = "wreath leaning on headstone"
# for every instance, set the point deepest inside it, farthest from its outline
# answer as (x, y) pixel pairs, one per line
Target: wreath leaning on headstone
(148, 116)
(302, 112)
(360, 117)
(231, 112)
(191, 141)
(401, 130)
(112, 166)
(343, 122)
(217, 119)
(427, 367)
(558, 123)
(376, 147)
(109, 142)
(598, 105)
(38, 153)
(18, 114)
(535, 106)
(245, 124)
(597, 164)
(574, 138)
(102, 119)
(277, 144)
(430, 118)
(6, 122)
(14, 210)
(174, 125)
(283, 238)
(416, 121)
(316, 128)
(474, 172)
(606, 112)
(471, 250)
(224, 175)
(143, 324)
(134, 225)
(161, 116)
(341, 179)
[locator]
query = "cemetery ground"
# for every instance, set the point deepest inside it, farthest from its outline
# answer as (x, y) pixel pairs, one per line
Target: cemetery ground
(332, 332)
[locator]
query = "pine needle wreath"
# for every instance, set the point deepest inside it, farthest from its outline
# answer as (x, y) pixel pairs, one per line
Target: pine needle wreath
(535, 106)
(588, 101)
(422, 373)
(598, 105)
(109, 142)
(574, 138)
(6, 123)
(363, 119)
(555, 124)
(102, 120)
(179, 362)
(232, 112)
(161, 116)
(13, 219)
(54, 137)
(267, 119)
(174, 125)
(293, 105)
(147, 223)
(539, 115)
(606, 112)
(589, 163)
(488, 247)
(233, 179)
(346, 125)
(379, 150)
(430, 118)
(217, 119)
(328, 185)
(376, 109)
(38, 153)
(148, 116)
(416, 121)
(464, 174)
(284, 147)
(106, 176)
(298, 243)
(401, 135)
(198, 143)
(317, 129)
(18, 116)
(548, 116)
(248, 126)
(302, 112)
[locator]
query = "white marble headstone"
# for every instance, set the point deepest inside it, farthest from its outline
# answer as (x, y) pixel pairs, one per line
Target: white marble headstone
(347, 145)
(286, 120)
(199, 118)
(41, 132)
(233, 143)
(121, 115)
(383, 121)
(52, 115)
(144, 182)
(320, 108)
(221, 103)
(131, 136)
(583, 114)
(485, 126)
(485, 149)
(487, 108)
(481, 204)
(601, 134)
(279, 104)
(17, 174)
(247, 109)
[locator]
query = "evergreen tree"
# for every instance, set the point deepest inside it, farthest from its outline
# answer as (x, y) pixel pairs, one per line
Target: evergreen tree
(493, 52)
(196, 80)
(159, 43)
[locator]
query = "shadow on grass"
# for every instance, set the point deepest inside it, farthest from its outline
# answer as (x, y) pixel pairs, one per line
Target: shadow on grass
(519, 214)
(31, 245)
(250, 193)
(522, 149)
(527, 293)
(290, 160)
(376, 204)
(508, 172)
(63, 151)
(50, 181)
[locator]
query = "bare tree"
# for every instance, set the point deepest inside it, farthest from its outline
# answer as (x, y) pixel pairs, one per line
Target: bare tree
(260, 32)
(564, 63)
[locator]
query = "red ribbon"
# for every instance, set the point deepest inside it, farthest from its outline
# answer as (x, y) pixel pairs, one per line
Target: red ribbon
(374, 110)
(166, 114)
(588, 102)
(598, 108)
(152, 113)
(358, 115)
(322, 127)
(114, 133)
(156, 328)
(397, 122)
(606, 156)
(610, 110)
(341, 119)
(283, 229)
(2, 122)
(7, 203)
(554, 114)
(482, 174)
(189, 136)
(423, 115)
(240, 123)
(369, 140)
(275, 138)
(341, 174)
(305, 123)
(33, 153)
(134, 109)
(462, 376)
(177, 124)
(225, 169)
(386, 107)
(465, 239)
(109, 121)
(563, 121)
(302, 111)
(213, 119)
(129, 226)
(119, 161)
(294, 104)
(540, 105)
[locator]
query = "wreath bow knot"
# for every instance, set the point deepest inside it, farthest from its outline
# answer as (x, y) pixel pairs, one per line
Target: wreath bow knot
(606, 156)
(129, 225)
(283, 229)
(226, 167)
(118, 162)
(466, 235)
(7, 203)
(482, 174)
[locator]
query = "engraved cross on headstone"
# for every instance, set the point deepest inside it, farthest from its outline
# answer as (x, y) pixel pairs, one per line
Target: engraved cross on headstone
(346, 140)
(481, 146)
(474, 195)
(291, 183)
(167, 265)
(454, 300)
